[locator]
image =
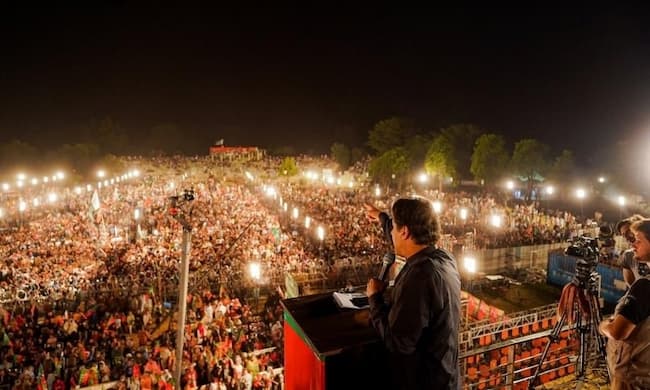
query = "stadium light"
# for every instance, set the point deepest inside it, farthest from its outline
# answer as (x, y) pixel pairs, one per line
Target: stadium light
(581, 193)
(377, 191)
(621, 200)
(295, 213)
(437, 206)
(495, 220)
(60, 175)
(22, 206)
(550, 190)
(307, 222)
(52, 197)
(255, 271)
(46, 179)
(34, 181)
(423, 177)
(136, 214)
(5, 186)
(36, 202)
(601, 179)
(19, 184)
(470, 264)
(101, 173)
(320, 232)
(510, 185)
(463, 214)
(20, 177)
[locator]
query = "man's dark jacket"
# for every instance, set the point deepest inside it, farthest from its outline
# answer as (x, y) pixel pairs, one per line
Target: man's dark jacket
(420, 326)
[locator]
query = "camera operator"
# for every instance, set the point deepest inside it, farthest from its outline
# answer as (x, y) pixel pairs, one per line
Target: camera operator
(632, 269)
(628, 331)
(420, 326)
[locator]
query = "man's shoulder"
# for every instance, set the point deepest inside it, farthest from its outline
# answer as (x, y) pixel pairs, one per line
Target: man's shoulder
(435, 262)
(640, 287)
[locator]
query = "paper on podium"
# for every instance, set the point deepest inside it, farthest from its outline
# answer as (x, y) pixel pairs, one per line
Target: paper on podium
(351, 300)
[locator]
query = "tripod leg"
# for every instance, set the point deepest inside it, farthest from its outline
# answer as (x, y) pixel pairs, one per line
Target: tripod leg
(581, 364)
(552, 337)
(600, 339)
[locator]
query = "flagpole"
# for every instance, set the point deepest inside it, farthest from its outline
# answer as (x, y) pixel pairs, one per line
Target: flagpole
(182, 304)
(182, 216)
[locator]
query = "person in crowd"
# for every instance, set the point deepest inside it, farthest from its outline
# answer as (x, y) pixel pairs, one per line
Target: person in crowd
(420, 327)
(632, 269)
(628, 330)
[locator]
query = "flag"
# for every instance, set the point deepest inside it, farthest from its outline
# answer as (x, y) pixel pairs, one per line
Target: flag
(94, 201)
(219, 142)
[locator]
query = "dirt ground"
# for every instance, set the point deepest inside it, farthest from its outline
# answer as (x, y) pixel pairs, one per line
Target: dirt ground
(513, 298)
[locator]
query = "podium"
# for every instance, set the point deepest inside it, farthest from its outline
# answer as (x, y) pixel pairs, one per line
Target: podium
(326, 347)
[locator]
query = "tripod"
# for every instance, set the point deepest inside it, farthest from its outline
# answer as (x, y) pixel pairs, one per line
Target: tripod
(578, 305)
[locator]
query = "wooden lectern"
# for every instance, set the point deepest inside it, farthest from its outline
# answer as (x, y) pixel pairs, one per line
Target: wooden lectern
(326, 347)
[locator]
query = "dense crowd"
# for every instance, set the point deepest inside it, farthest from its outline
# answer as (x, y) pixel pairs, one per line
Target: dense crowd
(89, 294)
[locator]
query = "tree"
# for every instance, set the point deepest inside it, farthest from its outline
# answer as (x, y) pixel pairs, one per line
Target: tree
(563, 167)
(417, 148)
(388, 134)
(356, 155)
(440, 159)
(17, 152)
(462, 137)
(108, 134)
(83, 156)
(285, 150)
(166, 137)
(489, 159)
(288, 167)
(529, 161)
(341, 154)
(393, 162)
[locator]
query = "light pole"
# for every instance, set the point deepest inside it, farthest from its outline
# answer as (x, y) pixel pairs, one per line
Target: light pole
(183, 217)
(136, 216)
(510, 185)
(320, 232)
(549, 191)
(621, 204)
(580, 194)
(22, 206)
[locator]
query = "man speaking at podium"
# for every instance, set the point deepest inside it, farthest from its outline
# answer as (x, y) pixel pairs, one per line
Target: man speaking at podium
(419, 327)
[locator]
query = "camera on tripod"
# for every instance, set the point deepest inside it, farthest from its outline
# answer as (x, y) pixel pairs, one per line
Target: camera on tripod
(586, 250)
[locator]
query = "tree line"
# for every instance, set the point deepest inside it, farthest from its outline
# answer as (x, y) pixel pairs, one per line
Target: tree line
(456, 153)
(99, 141)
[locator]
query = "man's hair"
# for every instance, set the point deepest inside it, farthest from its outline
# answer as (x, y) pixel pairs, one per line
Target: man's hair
(628, 222)
(642, 226)
(417, 214)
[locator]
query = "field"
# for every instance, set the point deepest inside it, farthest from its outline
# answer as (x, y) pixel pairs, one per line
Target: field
(517, 297)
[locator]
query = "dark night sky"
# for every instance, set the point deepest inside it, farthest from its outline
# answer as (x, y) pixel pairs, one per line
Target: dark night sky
(577, 78)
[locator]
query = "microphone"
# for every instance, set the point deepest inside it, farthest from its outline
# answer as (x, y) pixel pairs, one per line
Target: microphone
(386, 262)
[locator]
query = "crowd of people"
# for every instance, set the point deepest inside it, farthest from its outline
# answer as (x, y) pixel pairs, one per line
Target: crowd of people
(89, 293)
